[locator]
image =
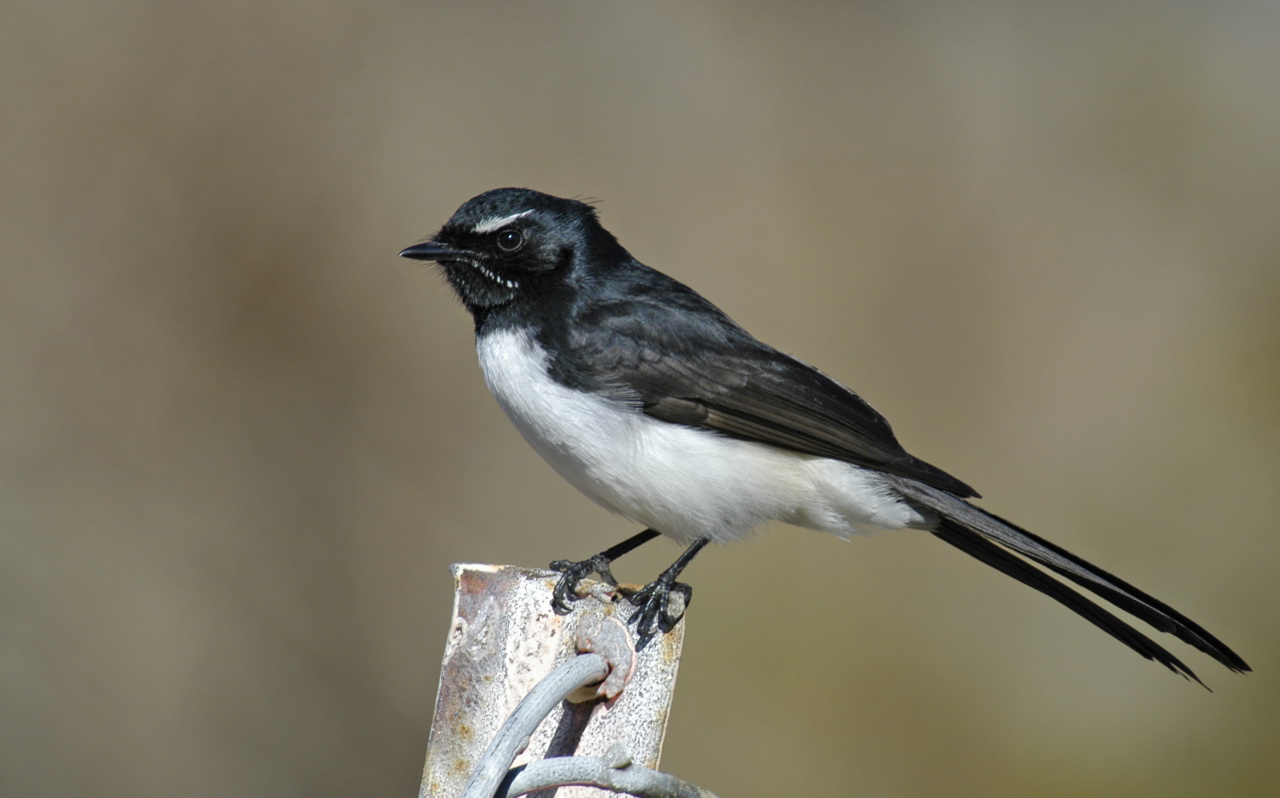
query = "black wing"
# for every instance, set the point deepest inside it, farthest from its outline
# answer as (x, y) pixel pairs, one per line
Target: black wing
(688, 363)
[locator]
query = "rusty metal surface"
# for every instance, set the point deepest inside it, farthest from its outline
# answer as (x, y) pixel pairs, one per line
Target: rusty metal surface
(503, 639)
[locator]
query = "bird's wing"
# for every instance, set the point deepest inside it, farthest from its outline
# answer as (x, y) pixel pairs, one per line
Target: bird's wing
(702, 370)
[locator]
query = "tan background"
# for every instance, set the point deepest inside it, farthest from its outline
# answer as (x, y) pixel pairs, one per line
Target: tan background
(241, 441)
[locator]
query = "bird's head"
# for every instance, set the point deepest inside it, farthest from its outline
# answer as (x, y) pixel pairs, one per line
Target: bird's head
(510, 243)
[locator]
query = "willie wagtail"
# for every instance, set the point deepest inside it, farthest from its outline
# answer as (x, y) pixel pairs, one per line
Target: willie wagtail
(659, 407)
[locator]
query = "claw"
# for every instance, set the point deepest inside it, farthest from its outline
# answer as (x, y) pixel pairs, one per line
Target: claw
(566, 590)
(654, 599)
(654, 602)
(573, 572)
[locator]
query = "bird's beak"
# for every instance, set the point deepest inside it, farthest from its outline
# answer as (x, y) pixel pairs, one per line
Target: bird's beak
(430, 250)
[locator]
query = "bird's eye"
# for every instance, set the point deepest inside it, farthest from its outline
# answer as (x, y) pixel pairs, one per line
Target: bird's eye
(510, 240)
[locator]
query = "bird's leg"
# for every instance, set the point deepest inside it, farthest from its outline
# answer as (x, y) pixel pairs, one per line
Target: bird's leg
(654, 598)
(574, 571)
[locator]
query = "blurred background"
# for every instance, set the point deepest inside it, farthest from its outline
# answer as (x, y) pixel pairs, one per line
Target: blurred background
(242, 441)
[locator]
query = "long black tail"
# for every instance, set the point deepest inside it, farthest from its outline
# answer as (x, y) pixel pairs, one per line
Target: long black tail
(977, 533)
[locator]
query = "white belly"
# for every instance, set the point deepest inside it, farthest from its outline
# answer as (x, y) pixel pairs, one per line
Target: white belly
(684, 482)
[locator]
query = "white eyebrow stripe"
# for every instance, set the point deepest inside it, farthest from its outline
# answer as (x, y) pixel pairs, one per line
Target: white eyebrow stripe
(489, 225)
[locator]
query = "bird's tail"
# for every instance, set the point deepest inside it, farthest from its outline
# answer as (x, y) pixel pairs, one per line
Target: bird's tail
(991, 539)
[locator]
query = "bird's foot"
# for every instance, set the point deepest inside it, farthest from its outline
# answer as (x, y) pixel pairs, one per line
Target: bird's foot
(655, 611)
(574, 571)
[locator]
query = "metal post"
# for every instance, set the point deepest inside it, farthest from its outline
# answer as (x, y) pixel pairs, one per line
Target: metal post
(504, 638)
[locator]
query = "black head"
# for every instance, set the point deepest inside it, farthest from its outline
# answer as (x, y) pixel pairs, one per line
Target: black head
(513, 243)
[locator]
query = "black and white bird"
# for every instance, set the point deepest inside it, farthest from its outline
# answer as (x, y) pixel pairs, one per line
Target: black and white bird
(659, 407)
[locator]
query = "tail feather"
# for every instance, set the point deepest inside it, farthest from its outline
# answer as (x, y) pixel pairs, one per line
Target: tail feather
(1132, 600)
(1000, 559)
(976, 532)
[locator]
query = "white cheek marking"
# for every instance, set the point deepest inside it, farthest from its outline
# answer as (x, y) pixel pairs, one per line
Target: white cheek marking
(686, 483)
(496, 222)
(494, 277)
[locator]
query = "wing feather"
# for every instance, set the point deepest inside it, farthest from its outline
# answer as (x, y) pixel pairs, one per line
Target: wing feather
(703, 370)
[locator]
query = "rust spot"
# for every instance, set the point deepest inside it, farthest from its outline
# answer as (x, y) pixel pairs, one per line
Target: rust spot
(473, 581)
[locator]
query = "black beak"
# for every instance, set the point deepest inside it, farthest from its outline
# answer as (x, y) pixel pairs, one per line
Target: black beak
(430, 250)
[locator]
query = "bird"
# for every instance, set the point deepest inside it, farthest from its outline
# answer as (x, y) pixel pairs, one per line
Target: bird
(655, 404)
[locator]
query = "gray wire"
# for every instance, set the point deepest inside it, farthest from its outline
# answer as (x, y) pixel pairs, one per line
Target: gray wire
(611, 655)
(514, 735)
(613, 771)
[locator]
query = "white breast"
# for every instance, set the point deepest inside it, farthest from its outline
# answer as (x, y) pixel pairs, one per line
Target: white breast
(684, 482)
